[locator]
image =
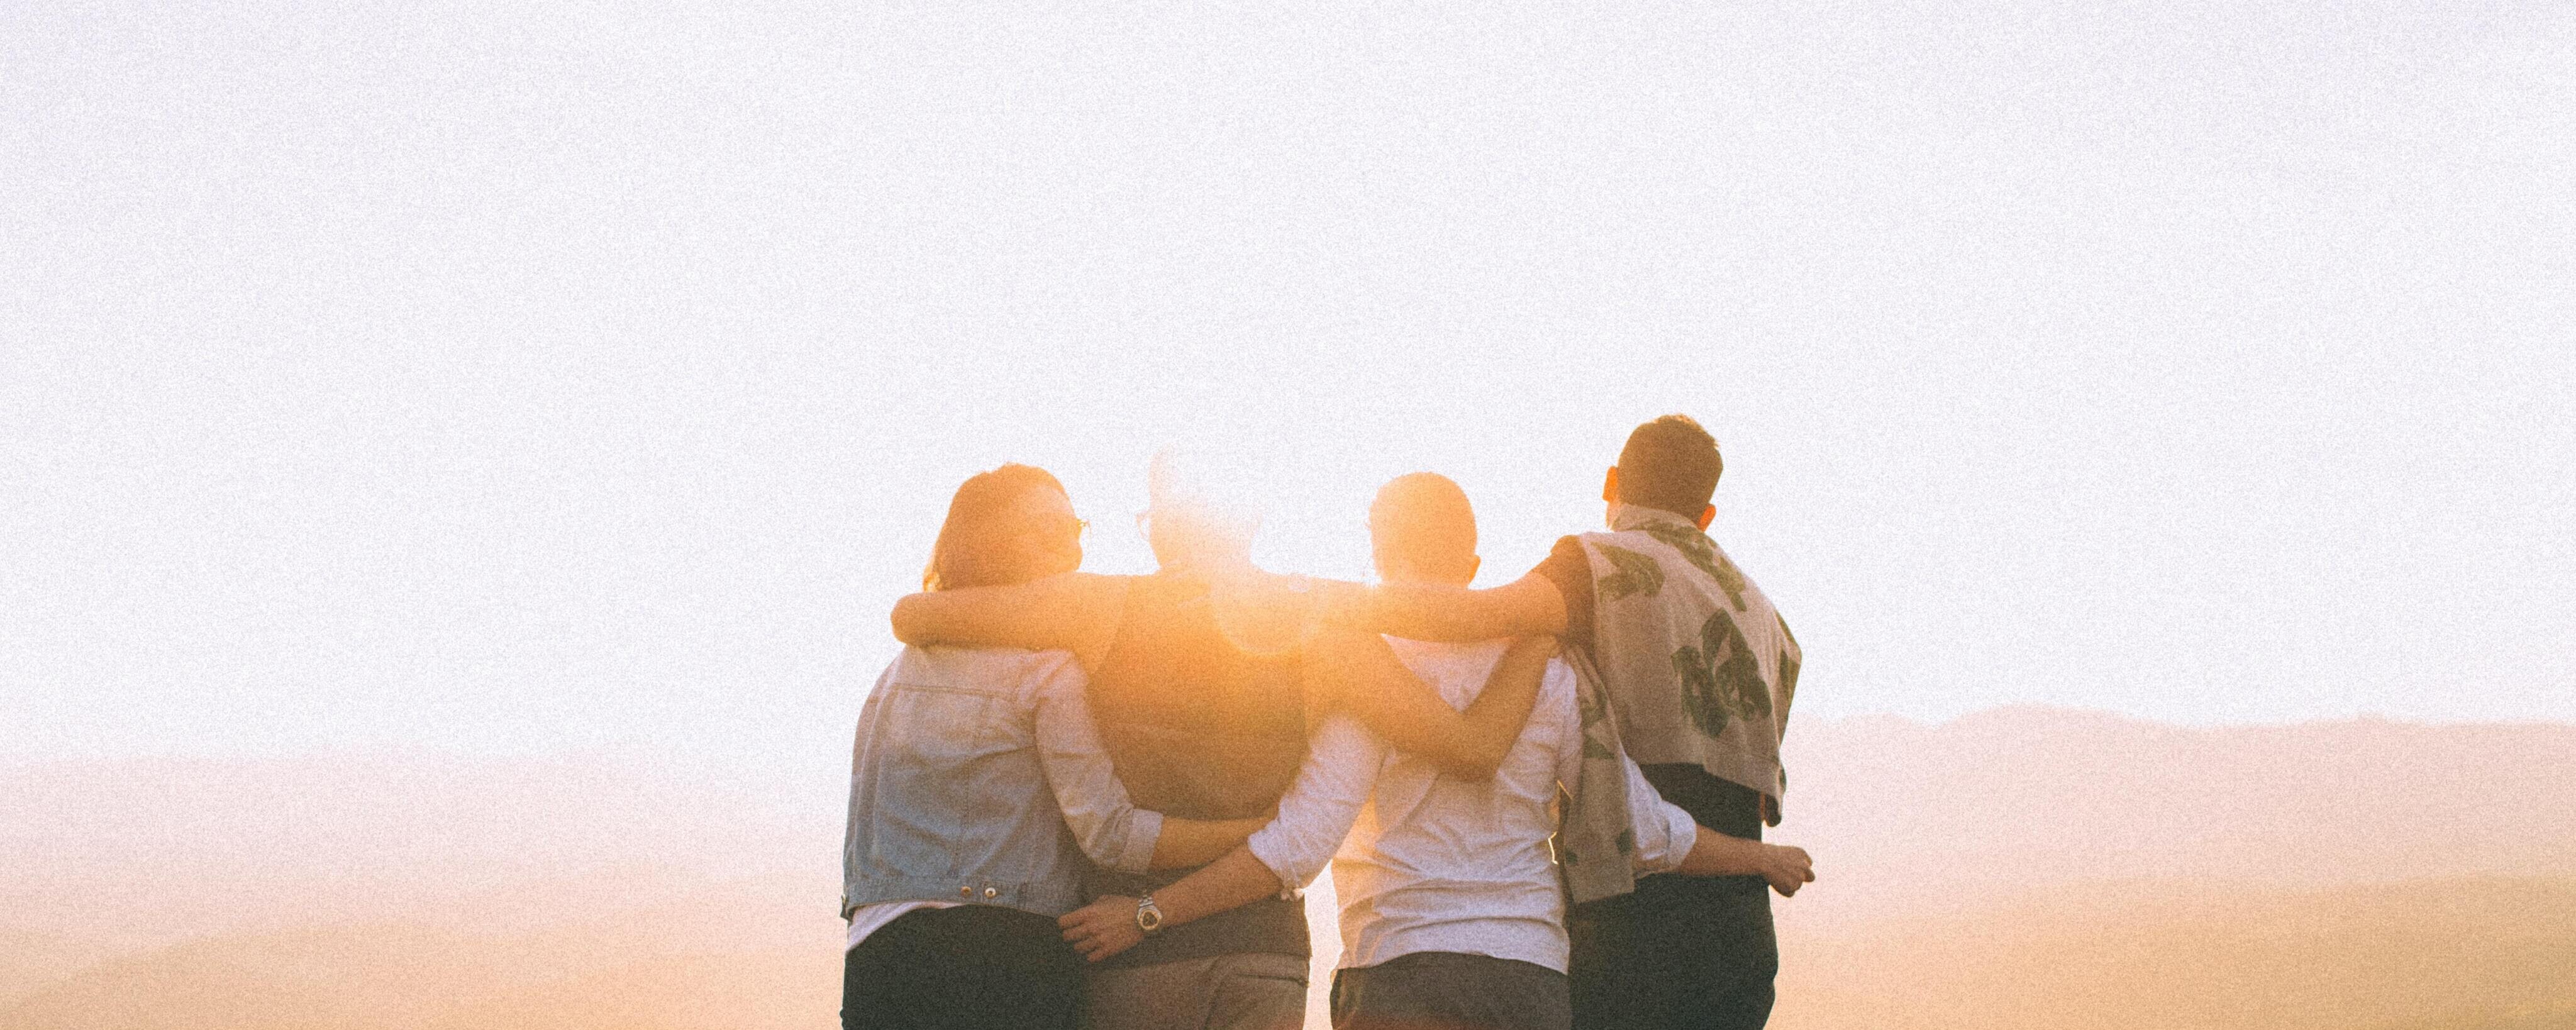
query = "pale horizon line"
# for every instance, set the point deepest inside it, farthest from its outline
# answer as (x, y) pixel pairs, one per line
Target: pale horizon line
(700, 758)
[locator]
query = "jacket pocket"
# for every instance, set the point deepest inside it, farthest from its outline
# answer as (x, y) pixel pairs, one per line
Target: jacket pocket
(949, 724)
(952, 770)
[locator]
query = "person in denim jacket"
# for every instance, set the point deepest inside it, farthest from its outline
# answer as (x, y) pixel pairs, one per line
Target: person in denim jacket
(978, 785)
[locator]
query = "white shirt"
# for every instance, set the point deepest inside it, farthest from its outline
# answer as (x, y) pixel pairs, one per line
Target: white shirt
(1435, 863)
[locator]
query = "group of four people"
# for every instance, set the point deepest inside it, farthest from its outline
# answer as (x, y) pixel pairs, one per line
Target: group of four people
(1092, 800)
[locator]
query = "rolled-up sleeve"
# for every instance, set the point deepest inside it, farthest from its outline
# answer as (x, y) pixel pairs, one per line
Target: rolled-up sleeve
(1319, 808)
(1664, 832)
(1105, 822)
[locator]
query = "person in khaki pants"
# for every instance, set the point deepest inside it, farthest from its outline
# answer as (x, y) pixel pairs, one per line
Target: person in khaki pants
(1247, 990)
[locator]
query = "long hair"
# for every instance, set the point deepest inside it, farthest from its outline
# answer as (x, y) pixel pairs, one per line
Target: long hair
(967, 554)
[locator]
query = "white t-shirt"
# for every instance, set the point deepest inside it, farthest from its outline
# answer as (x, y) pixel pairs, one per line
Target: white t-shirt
(1436, 863)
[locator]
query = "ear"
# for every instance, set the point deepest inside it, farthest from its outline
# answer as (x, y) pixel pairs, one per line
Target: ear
(1474, 562)
(1706, 516)
(1610, 485)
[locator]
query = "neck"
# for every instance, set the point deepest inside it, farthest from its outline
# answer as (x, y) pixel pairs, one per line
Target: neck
(1628, 516)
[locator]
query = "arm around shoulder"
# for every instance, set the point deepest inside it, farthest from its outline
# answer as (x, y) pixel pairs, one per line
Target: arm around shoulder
(1426, 611)
(1073, 611)
(1358, 674)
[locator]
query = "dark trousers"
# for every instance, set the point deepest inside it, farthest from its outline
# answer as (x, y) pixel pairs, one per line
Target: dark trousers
(1682, 952)
(1446, 990)
(971, 967)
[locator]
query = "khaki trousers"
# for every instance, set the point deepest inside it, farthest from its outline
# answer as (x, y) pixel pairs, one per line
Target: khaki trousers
(1245, 991)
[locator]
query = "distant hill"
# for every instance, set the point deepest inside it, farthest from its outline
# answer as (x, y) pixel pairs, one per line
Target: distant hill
(615, 950)
(1900, 815)
(386, 975)
(2528, 1018)
(30, 959)
(2018, 868)
(2477, 954)
(2546, 1017)
(2417, 955)
(1904, 815)
(401, 977)
(163, 850)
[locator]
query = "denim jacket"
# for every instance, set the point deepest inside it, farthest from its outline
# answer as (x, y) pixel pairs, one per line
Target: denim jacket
(977, 778)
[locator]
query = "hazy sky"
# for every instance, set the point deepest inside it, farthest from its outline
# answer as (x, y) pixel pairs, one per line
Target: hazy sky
(479, 378)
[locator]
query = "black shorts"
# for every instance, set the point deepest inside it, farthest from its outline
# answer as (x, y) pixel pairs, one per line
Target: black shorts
(966, 968)
(1683, 951)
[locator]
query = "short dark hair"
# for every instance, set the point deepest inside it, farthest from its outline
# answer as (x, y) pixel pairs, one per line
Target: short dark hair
(1671, 464)
(1424, 519)
(969, 552)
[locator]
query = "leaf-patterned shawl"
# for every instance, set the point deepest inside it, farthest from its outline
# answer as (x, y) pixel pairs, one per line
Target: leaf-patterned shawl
(1689, 664)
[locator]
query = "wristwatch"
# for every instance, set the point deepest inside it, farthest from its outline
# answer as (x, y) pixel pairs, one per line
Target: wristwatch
(1149, 917)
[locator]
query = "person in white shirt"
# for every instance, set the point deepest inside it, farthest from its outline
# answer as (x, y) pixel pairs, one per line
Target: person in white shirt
(1452, 913)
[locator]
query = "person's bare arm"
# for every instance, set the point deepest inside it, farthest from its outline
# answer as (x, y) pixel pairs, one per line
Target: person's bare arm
(1669, 841)
(1074, 611)
(1188, 842)
(1108, 926)
(1356, 673)
(1716, 854)
(1424, 611)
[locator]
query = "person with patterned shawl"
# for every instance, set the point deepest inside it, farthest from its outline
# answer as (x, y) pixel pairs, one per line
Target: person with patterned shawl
(1683, 663)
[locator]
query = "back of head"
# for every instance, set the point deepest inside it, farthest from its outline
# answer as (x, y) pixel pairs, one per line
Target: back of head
(1670, 464)
(985, 539)
(1422, 527)
(1200, 512)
